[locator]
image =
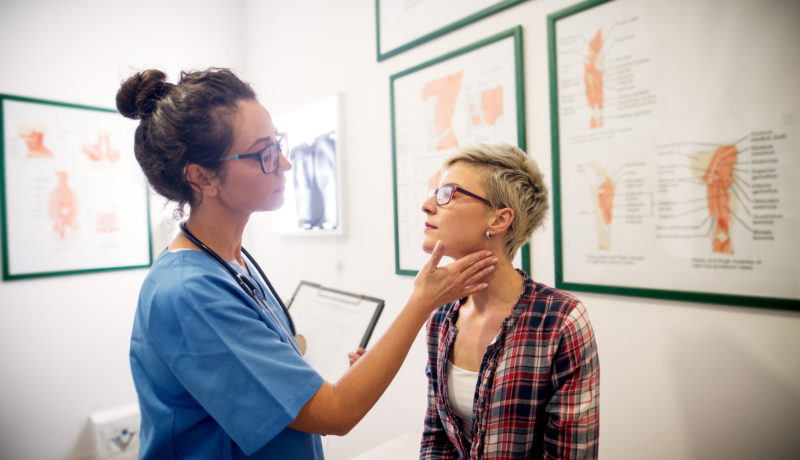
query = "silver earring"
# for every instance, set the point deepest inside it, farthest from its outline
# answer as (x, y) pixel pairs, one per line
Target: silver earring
(488, 235)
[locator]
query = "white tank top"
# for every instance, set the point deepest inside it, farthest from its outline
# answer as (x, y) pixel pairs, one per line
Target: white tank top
(461, 385)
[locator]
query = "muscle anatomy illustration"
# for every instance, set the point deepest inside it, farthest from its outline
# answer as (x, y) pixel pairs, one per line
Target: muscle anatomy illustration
(63, 207)
(593, 79)
(445, 90)
(716, 170)
(101, 150)
(718, 178)
(603, 203)
(34, 139)
(491, 107)
(106, 222)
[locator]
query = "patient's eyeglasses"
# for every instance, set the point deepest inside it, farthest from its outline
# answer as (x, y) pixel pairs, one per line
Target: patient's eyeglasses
(445, 193)
(270, 156)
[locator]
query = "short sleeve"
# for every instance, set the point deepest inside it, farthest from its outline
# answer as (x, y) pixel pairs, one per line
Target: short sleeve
(233, 361)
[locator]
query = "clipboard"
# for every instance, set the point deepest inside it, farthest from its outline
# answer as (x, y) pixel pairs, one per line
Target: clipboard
(333, 323)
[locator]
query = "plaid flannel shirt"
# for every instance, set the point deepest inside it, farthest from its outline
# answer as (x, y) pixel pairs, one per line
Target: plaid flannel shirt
(538, 387)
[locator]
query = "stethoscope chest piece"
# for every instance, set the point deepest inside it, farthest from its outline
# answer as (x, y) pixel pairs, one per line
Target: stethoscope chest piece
(301, 343)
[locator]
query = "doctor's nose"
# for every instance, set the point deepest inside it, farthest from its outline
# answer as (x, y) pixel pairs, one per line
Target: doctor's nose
(283, 163)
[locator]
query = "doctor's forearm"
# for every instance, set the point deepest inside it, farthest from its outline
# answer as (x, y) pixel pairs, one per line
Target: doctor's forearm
(337, 407)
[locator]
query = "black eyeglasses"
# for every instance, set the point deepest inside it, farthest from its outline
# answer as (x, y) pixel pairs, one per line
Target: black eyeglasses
(270, 156)
(445, 193)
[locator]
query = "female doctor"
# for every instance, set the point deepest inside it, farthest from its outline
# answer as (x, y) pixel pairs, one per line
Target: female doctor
(217, 369)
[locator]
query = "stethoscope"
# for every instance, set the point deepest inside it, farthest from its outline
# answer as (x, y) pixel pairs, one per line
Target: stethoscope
(297, 341)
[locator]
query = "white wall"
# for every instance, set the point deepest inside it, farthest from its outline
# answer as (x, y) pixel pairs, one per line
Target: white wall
(679, 380)
(64, 340)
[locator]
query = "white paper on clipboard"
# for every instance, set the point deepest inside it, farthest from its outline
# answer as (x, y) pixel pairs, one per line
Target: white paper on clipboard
(333, 323)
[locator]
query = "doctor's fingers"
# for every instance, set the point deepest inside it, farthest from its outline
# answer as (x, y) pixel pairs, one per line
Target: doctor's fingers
(473, 266)
(355, 356)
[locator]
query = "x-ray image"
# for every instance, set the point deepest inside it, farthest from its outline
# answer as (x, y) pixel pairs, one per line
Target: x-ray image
(315, 183)
(312, 198)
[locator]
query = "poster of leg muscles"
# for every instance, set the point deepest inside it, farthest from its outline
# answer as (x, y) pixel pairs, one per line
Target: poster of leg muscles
(675, 144)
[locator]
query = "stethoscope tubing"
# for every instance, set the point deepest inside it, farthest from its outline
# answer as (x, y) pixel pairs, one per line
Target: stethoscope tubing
(243, 281)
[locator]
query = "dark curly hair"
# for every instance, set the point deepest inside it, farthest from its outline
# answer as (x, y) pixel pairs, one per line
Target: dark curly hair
(188, 122)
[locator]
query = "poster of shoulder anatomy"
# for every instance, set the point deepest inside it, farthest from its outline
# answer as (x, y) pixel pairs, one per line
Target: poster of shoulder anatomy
(469, 96)
(74, 198)
(675, 143)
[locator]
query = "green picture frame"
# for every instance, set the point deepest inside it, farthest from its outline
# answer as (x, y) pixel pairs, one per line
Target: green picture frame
(494, 64)
(644, 202)
(73, 198)
(411, 32)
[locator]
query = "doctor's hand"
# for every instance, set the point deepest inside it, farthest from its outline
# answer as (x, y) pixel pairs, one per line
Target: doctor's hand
(353, 357)
(435, 286)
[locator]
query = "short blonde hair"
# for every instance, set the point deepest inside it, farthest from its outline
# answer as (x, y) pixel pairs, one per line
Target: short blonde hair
(512, 180)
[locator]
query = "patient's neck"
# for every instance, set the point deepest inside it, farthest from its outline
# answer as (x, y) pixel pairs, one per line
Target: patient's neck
(505, 285)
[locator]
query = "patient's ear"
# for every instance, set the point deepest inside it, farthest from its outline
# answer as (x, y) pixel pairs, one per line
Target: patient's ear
(202, 180)
(502, 220)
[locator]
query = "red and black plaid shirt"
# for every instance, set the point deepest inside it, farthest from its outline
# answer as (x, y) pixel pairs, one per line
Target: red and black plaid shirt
(538, 387)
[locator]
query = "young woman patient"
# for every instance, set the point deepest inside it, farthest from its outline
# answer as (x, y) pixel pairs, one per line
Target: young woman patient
(512, 370)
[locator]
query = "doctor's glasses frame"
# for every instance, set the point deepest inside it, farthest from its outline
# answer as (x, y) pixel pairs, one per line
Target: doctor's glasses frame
(269, 156)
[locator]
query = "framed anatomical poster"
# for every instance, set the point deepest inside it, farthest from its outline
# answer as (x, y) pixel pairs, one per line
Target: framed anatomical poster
(74, 199)
(471, 95)
(675, 155)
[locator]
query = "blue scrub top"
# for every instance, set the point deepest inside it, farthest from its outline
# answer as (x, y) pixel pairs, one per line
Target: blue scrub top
(216, 376)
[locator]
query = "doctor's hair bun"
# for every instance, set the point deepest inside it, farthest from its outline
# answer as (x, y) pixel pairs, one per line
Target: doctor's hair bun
(138, 96)
(191, 122)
